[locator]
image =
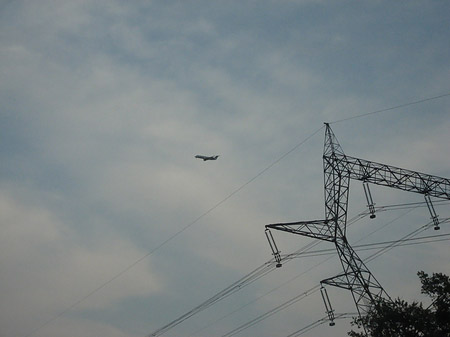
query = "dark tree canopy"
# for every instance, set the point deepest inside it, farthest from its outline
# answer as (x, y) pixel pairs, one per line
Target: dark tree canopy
(400, 319)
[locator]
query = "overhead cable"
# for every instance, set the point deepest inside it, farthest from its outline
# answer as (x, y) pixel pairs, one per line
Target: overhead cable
(299, 297)
(391, 108)
(321, 321)
(261, 271)
(273, 311)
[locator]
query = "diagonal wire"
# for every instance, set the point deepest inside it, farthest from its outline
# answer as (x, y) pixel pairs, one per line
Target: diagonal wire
(299, 253)
(251, 277)
(236, 286)
(273, 311)
(312, 290)
(391, 108)
(258, 298)
(305, 251)
(382, 251)
(379, 245)
(321, 321)
(397, 242)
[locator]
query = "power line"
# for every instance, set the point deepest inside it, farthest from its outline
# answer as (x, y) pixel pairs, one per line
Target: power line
(316, 288)
(305, 251)
(273, 311)
(256, 274)
(408, 205)
(391, 108)
(309, 327)
(332, 252)
(382, 251)
(391, 244)
(396, 242)
(260, 297)
(251, 277)
(377, 245)
(361, 216)
(297, 298)
(236, 286)
(321, 321)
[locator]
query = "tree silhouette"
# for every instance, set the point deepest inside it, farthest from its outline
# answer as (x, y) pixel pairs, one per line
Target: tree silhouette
(398, 318)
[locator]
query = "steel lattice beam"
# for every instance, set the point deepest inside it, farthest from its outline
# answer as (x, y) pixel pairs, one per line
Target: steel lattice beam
(390, 176)
(317, 229)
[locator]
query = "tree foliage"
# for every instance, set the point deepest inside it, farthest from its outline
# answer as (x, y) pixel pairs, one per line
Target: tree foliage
(398, 318)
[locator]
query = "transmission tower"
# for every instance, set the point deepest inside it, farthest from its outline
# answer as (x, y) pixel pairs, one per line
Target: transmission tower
(339, 169)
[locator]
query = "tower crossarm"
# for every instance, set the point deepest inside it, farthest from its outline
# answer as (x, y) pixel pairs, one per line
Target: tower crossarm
(390, 176)
(317, 229)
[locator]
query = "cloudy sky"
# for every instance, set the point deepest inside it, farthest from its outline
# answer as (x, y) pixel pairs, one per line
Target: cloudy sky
(110, 227)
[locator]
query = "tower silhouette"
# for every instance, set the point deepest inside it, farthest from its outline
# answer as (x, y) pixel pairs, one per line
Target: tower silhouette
(339, 169)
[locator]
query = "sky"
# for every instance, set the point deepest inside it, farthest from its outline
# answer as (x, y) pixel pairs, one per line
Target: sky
(108, 224)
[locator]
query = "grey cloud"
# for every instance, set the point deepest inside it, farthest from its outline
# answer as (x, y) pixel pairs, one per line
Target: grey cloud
(106, 103)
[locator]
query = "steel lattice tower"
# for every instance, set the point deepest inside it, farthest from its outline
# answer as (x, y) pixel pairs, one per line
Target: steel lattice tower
(339, 169)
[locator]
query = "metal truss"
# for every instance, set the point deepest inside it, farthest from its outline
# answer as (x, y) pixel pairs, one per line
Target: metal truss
(339, 169)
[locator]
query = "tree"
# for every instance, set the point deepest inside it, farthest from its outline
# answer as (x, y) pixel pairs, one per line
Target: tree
(400, 319)
(438, 288)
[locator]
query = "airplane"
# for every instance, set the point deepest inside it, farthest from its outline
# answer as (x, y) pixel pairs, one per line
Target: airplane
(205, 158)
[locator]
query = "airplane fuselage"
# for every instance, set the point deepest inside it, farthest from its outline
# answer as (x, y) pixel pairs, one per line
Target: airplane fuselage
(205, 158)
